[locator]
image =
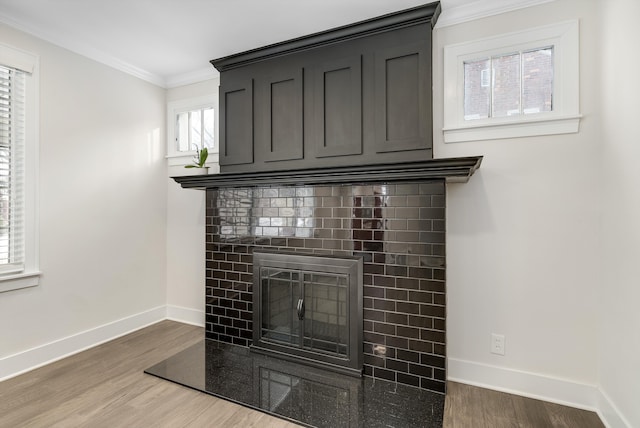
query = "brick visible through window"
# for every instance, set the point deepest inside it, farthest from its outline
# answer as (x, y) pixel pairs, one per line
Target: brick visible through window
(511, 84)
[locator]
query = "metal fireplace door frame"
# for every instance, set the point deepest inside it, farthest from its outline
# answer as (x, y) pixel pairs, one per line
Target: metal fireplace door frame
(350, 266)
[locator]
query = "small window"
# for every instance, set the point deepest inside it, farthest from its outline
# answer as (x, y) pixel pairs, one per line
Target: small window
(509, 85)
(195, 129)
(513, 85)
(191, 126)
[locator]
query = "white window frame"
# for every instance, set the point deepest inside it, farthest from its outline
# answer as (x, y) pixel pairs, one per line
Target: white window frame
(175, 157)
(565, 117)
(29, 275)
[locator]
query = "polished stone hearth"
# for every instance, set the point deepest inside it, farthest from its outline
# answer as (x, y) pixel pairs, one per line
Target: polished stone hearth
(305, 395)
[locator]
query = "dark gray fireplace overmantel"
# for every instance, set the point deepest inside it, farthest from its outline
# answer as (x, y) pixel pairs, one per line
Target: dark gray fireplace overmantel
(457, 170)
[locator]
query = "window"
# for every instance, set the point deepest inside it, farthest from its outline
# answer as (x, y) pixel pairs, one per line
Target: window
(192, 125)
(513, 85)
(195, 129)
(509, 85)
(18, 169)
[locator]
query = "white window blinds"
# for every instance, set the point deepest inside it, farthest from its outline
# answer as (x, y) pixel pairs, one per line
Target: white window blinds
(12, 143)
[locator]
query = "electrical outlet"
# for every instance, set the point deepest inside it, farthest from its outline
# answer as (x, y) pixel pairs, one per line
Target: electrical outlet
(497, 344)
(380, 350)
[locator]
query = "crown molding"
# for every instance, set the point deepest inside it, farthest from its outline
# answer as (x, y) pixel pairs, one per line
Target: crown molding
(482, 9)
(191, 77)
(84, 50)
(427, 13)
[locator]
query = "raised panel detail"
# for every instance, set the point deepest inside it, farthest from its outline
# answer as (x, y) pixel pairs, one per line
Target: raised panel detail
(402, 92)
(354, 95)
(338, 108)
(236, 123)
(282, 116)
(403, 89)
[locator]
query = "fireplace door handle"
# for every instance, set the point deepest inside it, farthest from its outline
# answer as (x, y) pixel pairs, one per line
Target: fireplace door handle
(300, 309)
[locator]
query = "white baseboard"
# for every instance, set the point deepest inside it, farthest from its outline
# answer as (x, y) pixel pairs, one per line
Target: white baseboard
(540, 387)
(532, 385)
(16, 364)
(609, 413)
(186, 315)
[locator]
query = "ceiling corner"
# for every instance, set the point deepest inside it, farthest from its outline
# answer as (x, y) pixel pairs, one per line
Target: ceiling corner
(191, 77)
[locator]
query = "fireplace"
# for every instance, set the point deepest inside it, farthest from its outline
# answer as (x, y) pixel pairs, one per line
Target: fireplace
(309, 308)
(267, 227)
(391, 216)
(397, 229)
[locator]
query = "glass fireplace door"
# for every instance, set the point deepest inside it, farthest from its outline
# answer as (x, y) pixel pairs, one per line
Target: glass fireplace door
(325, 321)
(309, 309)
(280, 296)
(311, 303)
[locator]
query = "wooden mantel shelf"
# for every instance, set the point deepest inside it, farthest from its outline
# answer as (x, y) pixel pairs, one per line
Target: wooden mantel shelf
(456, 170)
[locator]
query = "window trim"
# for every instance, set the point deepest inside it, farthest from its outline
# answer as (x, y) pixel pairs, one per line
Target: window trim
(174, 157)
(565, 118)
(29, 276)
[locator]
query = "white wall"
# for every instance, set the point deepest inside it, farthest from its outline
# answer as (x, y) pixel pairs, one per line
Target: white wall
(102, 206)
(619, 296)
(523, 243)
(186, 232)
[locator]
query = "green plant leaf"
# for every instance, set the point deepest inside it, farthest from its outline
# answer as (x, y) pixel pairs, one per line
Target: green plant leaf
(204, 153)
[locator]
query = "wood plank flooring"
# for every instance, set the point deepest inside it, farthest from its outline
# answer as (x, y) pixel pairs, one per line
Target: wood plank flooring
(470, 406)
(106, 387)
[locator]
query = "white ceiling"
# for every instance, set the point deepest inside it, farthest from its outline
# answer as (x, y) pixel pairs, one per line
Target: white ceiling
(170, 42)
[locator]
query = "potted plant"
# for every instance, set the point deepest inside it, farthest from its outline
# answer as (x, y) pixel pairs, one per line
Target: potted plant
(199, 160)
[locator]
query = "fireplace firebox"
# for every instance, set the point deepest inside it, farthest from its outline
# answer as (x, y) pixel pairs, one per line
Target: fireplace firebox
(309, 308)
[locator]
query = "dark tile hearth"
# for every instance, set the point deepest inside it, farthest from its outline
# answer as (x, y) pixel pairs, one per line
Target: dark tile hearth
(302, 394)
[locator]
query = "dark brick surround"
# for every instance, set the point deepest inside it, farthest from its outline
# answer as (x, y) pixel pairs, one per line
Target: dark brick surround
(398, 229)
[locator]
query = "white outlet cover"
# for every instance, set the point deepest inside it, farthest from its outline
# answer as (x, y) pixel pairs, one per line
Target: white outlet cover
(497, 344)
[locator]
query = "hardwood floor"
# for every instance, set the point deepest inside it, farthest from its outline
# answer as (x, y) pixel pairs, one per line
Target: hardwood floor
(106, 387)
(470, 406)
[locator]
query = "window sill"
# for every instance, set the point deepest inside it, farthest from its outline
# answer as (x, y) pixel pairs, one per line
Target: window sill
(18, 281)
(529, 128)
(186, 159)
